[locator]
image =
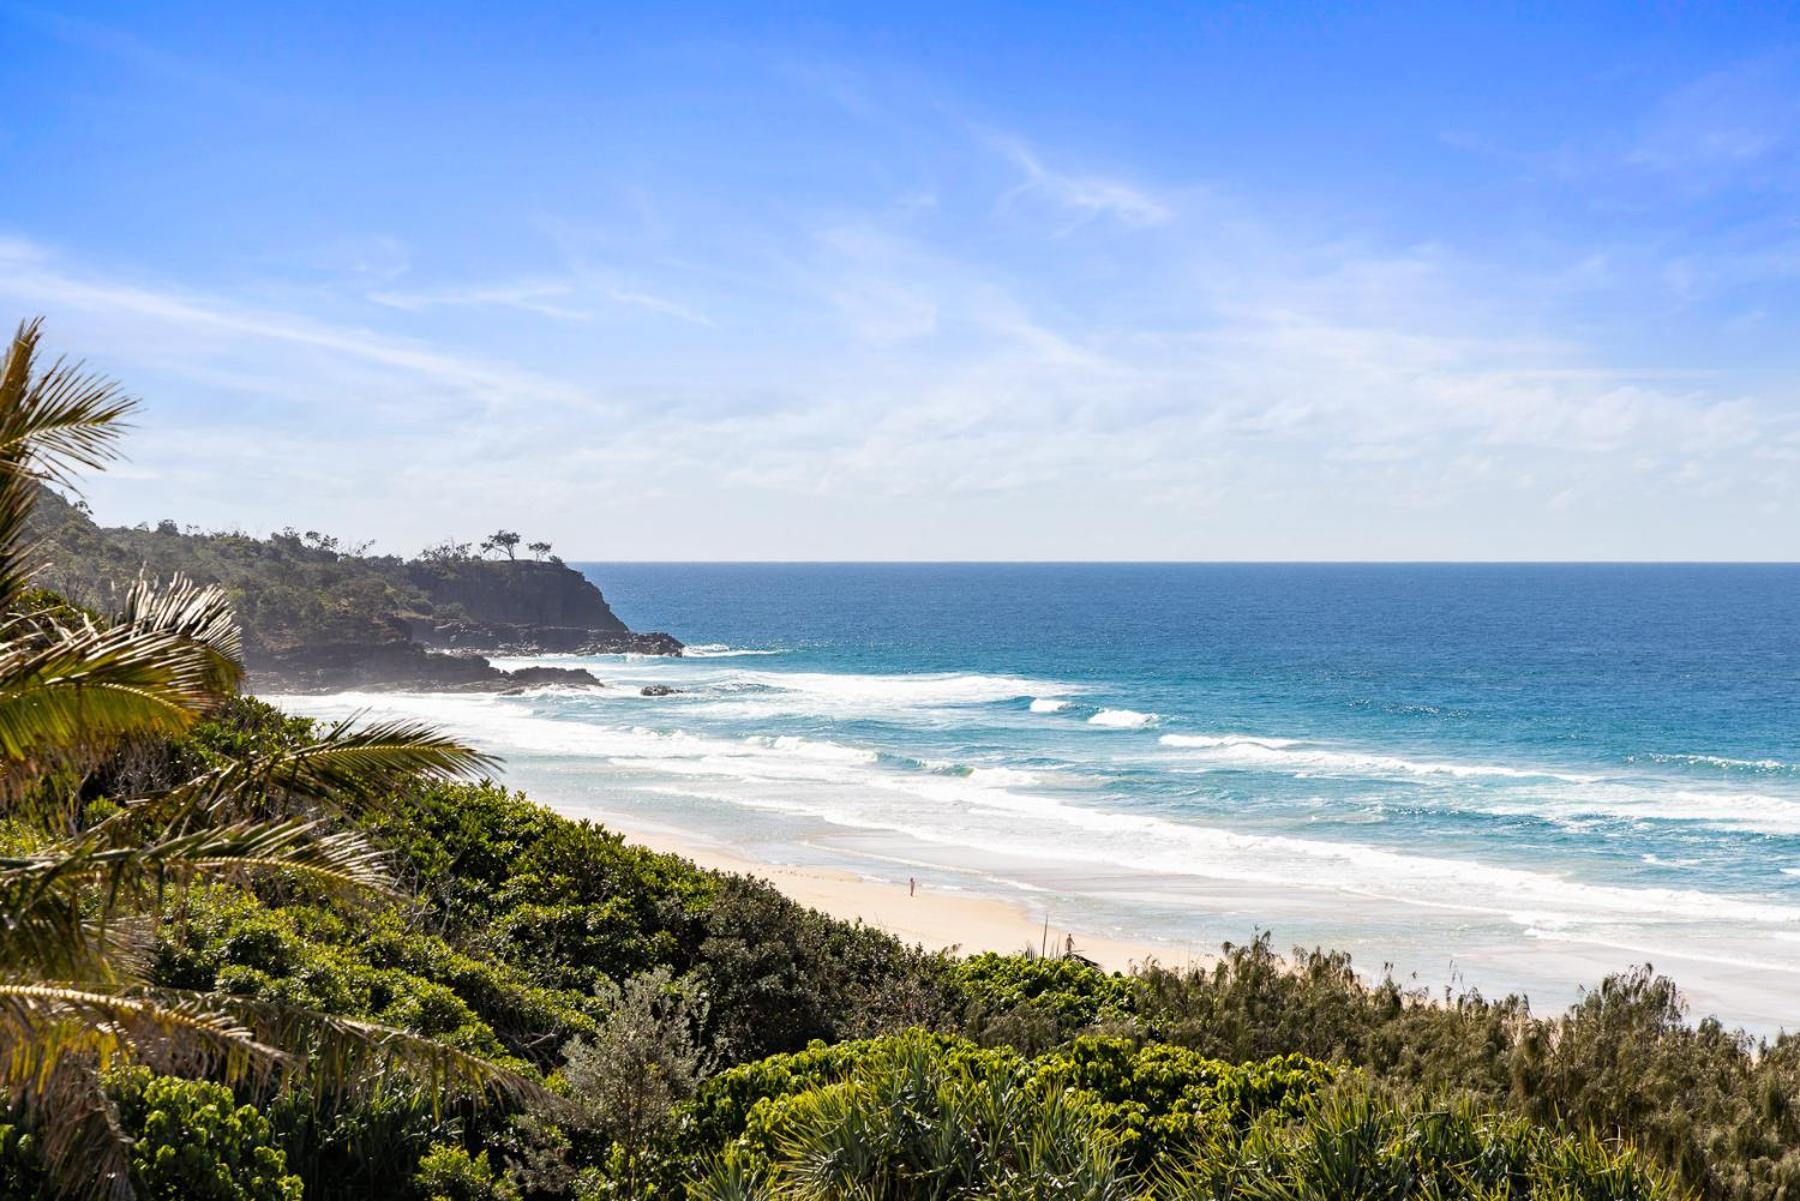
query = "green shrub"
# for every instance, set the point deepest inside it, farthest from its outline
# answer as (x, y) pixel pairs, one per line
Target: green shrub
(1720, 1110)
(1072, 991)
(449, 1173)
(904, 1120)
(1156, 1097)
(909, 1122)
(1355, 1147)
(1145, 1099)
(192, 1141)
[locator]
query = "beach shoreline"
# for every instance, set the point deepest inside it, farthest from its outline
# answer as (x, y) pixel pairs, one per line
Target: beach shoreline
(933, 917)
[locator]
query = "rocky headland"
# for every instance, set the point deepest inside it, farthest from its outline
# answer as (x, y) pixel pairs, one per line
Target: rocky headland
(322, 617)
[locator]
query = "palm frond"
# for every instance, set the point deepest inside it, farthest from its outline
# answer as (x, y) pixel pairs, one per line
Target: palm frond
(50, 422)
(60, 910)
(84, 1144)
(68, 695)
(75, 912)
(179, 1033)
(345, 770)
(352, 1056)
(200, 614)
(58, 418)
(57, 1039)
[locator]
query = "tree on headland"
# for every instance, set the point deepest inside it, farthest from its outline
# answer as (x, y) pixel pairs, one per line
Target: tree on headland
(448, 551)
(81, 882)
(501, 540)
(539, 550)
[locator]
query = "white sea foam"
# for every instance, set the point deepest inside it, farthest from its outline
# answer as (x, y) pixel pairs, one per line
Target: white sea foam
(1293, 757)
(1005, 777)
(1122, 719)
(996, 810)
(1579, 808)
(716, 678)
(832, 693)
(1048, 704)
(1720, 761)
(808, 748)
(718, 650)
(1216, 740)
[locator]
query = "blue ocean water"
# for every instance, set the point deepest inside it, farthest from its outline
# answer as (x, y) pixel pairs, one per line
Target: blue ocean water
(1519, 777)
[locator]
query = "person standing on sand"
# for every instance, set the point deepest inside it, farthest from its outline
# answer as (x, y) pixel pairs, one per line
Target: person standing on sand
(912, 886)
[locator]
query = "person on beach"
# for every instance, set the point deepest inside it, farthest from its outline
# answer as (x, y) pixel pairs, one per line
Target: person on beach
(912, 886)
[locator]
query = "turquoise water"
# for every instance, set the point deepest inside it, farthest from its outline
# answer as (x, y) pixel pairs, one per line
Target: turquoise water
(1519, 777)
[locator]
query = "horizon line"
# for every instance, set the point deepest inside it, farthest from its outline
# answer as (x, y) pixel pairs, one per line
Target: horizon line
(572, 561)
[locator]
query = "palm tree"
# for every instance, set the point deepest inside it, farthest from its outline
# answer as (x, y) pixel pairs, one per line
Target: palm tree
(79, 900)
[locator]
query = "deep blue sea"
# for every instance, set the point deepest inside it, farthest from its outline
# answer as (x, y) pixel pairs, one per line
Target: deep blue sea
(1516, 777)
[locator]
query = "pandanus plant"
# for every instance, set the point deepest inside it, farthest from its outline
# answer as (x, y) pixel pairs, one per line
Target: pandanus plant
(81, 890)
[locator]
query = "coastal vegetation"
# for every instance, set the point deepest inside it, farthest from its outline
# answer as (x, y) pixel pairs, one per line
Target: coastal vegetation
(245, 956)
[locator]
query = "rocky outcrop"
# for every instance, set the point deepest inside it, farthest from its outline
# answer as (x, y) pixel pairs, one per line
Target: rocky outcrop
(525, 608)
(508, 638)
(476, 608)
(522, 594)
(395, 667)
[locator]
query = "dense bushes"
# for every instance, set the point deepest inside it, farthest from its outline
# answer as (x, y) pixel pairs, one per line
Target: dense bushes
(574, 907)
(195, 1142)
(191, 1140)
(1721, 1110)
(1357, 1147)
(1146, 1098)
(1034, 1003)
(919, 1116)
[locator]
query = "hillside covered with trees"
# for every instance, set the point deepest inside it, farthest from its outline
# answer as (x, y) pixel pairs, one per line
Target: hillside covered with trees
(247, 957)
(318, 613)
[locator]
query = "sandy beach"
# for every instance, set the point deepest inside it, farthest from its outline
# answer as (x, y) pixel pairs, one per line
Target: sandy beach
(933, 918)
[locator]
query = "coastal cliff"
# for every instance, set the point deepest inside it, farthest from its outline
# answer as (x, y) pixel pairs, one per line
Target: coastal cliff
(318, 616)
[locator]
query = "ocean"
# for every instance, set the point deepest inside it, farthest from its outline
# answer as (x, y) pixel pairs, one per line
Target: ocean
(1508, 777)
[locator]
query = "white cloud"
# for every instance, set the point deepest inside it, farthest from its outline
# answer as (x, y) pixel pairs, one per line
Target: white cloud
(1087, 196)
(1725, 118)
(543, 298)
(30, 277)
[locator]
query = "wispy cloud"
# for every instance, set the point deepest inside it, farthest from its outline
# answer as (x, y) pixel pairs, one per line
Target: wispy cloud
(542, 298)
(30, 276)
(1087, 196)
(1725, 118)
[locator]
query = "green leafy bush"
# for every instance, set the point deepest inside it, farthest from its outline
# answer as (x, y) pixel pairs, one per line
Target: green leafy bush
(1156, 1097)
(913, 1117)
(574, 908)
(1356, 1147)
(1719, 1109)
(449, 1173)
(194, 1142)
(1072, 990)
(1143, 1099)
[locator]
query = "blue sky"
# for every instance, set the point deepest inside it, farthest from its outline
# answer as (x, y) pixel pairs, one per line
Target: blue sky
(921, 282)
